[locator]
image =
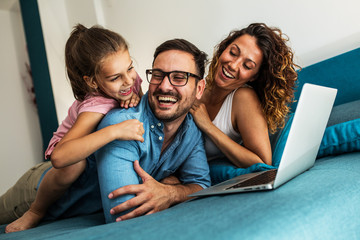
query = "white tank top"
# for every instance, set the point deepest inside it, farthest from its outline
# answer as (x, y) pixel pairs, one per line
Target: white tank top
(223, 122)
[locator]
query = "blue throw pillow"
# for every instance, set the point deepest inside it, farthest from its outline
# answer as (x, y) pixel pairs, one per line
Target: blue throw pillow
(342, 133)
(278, 141)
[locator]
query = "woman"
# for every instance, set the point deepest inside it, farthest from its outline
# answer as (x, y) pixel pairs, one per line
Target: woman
(250, 84)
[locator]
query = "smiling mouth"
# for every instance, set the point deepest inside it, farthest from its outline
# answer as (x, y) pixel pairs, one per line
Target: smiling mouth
(126, 92)
(227, 74)
(167, 100)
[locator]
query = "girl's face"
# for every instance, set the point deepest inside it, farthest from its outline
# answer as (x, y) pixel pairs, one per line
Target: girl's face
(239, 63)
(117, 75)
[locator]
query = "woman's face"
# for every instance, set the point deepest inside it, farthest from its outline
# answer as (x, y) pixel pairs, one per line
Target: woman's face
(239, 63)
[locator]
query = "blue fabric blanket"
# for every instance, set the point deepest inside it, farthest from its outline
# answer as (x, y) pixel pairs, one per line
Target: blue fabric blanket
(322, 203)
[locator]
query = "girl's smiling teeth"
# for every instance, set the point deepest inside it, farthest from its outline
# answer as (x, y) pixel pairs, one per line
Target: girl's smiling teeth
(227, 74)
(126, 92)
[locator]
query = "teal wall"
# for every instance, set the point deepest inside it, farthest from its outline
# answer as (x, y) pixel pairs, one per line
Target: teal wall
(39, 67)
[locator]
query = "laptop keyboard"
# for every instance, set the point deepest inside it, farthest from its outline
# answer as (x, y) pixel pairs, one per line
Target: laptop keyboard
(263, 178)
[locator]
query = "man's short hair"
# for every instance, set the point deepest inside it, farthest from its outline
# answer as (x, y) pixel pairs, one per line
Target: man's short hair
(200, 57)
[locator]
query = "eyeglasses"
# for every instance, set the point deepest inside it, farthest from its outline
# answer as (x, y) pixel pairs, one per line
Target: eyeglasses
(176, 78)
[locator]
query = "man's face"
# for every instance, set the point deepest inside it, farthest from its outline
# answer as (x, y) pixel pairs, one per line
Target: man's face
(168, 102)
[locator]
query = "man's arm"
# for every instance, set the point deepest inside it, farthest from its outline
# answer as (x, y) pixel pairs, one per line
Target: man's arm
(115, 165)
(151, 196)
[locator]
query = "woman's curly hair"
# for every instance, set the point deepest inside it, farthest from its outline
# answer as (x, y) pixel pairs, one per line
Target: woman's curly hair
(276, 80)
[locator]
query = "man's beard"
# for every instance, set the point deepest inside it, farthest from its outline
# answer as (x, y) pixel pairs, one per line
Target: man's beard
(180, 111)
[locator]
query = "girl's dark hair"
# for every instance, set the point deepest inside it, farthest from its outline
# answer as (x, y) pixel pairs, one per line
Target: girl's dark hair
(276, 79)
(84, 51)
(200, 57)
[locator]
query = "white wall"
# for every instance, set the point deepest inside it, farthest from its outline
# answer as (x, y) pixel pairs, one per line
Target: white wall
(21, 143)
(317, 29)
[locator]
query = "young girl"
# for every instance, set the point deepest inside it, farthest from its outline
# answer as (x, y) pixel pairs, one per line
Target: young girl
(102, 75)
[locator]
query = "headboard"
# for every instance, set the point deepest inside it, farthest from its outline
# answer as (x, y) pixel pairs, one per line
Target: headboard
(341, 72)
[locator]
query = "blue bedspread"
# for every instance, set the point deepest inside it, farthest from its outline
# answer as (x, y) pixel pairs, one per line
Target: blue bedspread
(322, 203)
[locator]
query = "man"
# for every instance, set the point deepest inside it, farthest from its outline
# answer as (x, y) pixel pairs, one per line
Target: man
(173, 146)
(172, 143)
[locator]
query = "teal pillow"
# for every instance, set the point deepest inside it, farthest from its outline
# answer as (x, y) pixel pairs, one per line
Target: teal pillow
(278, 141)
(342, 133)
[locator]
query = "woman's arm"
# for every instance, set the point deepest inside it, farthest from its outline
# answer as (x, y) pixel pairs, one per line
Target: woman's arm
(249, 121)
(81, 140)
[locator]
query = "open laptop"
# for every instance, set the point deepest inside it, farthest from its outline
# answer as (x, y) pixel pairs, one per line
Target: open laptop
(302, 145)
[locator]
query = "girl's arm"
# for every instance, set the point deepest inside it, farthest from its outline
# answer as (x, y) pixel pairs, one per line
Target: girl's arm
(249, 121)
(132, 102)
(80, 141)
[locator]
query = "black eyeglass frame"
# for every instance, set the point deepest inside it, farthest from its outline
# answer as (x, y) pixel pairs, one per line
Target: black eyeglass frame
(167, 74)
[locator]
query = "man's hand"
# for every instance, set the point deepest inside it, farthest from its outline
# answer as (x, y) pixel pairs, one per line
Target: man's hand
(151, 196)
(171, 180)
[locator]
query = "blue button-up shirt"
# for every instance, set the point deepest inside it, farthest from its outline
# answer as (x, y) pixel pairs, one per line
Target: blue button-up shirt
(185, 155)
